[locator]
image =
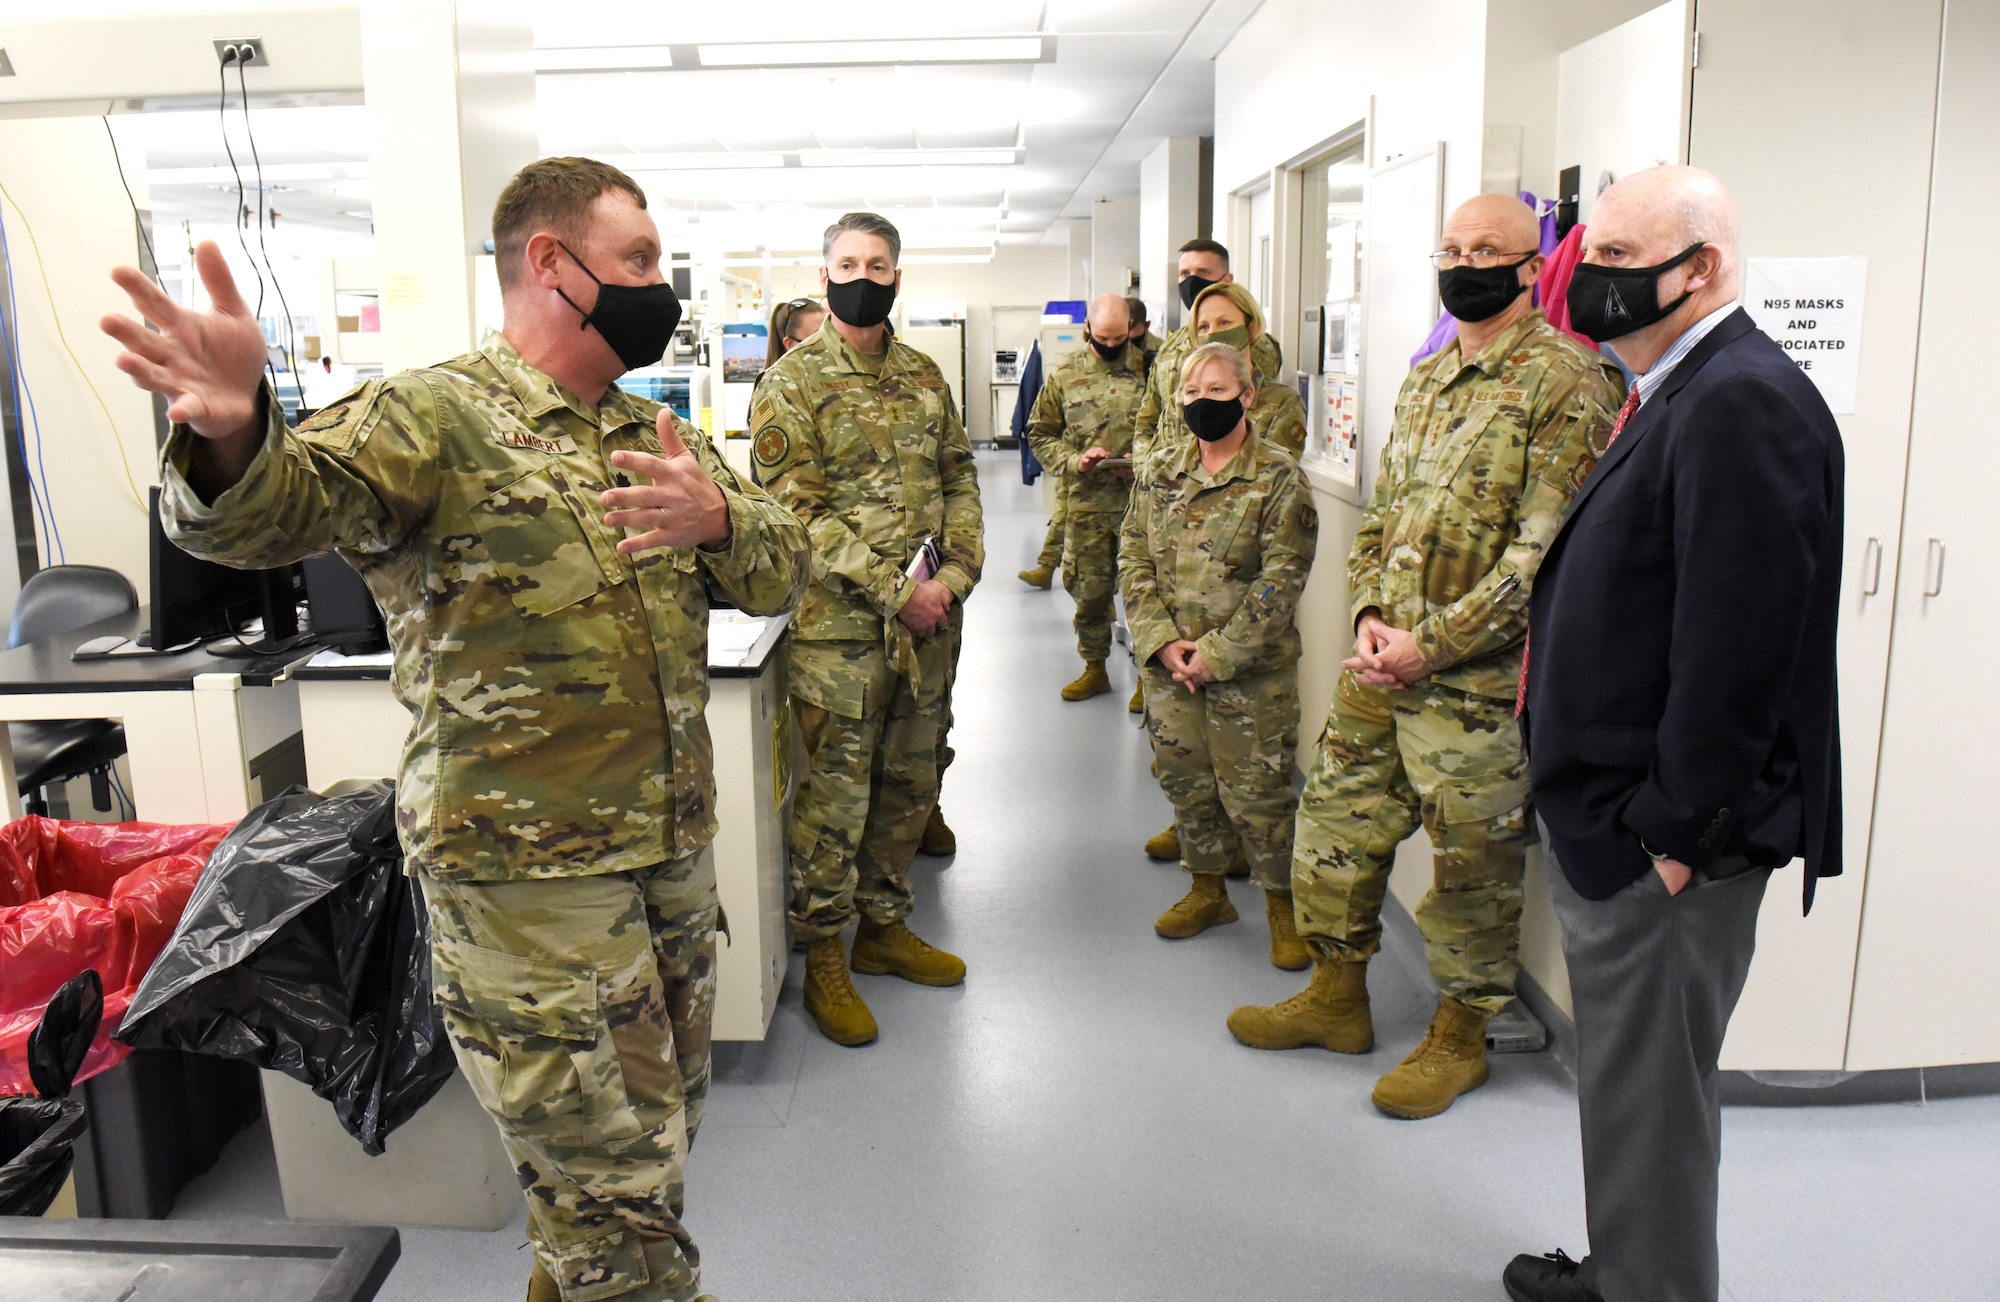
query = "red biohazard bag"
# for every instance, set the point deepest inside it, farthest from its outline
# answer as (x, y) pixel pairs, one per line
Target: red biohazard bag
(77, 896)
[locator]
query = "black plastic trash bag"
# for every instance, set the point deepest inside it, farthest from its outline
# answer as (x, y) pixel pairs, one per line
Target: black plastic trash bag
(37, 1135)
(306, 950)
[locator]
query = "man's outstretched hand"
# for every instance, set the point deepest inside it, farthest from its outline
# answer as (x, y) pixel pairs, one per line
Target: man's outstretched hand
(206, 364)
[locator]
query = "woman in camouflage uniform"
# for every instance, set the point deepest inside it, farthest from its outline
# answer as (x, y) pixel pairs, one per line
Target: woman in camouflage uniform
(1227, 314)
(1213, 557)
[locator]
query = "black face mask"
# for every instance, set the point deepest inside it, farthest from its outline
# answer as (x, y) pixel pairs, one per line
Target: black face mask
(1480, 293)
(1192, 287)
(860, 302)
(638, 321)
(1213, 419)
(1106, 351)
(1612, 302)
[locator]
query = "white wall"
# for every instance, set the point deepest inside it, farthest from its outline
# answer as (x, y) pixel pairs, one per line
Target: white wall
(1114, 244)
(1619, 100)
(451, 113)
(1301, 70)
(75, 65)
(97, 428)
(1524, 39)
(1077, 234)
(1169, 196)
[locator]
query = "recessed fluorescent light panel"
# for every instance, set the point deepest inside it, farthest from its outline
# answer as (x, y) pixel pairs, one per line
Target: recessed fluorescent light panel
(910, 157)
(797, 54)
(605, 58)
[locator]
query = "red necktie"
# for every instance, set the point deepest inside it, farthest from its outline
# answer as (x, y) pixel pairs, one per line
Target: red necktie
(1527, 644)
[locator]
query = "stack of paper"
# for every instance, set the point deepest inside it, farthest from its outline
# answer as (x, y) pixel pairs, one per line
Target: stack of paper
(732, 635)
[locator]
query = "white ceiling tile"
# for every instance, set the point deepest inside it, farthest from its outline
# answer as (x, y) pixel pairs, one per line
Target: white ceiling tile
(1123, 16)
(1108, 74)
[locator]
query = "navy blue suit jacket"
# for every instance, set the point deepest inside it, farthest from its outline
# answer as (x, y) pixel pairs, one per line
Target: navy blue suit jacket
(1681, 683)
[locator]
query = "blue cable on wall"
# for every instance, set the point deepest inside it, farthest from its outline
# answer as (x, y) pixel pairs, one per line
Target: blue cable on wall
(51, 532)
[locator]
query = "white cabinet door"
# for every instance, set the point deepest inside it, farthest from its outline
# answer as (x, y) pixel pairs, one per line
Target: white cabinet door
(1923, 983)
(1846, 175)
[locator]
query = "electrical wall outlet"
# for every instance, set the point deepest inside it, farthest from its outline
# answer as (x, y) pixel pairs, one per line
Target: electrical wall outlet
(241, 52)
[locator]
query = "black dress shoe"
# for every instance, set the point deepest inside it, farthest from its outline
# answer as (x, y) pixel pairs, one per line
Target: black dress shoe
(1551, 1277)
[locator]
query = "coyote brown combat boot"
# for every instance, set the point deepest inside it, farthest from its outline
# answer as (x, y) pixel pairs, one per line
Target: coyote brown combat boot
(894, 950)
(1288, 952)
(542, 1286)
(836, 1007)
(1332, 1013)
(1039, 577)
(1092, 682)
(1137, 705)
(1450, 1062)
(1165, 846)
(937, 839)
(1205, 905)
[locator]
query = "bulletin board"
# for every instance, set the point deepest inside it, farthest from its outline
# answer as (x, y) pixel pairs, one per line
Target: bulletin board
(1399, 302)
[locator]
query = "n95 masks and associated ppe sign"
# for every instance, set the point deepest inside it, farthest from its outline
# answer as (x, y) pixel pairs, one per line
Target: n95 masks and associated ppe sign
(1812, 308)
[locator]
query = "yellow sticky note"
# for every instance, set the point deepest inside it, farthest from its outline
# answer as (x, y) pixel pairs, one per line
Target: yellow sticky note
(404, 288)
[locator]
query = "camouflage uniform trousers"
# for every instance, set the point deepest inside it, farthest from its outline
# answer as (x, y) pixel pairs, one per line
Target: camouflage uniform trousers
(580, 1010)
(1225, 756)
(870, 785)
(1052, 542)
(1386, 760)
(1090, 576)
(945, 754)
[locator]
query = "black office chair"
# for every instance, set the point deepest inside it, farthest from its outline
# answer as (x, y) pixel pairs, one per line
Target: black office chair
(57, 600)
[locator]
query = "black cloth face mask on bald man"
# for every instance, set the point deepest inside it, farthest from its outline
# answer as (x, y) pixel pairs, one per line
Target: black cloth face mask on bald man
(1480, 293)
(638, 321)
(1612, 302)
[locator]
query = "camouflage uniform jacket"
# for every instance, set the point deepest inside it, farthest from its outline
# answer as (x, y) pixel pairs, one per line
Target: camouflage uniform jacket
(557, 685)
(874, 460)
(1278, 417)
(1148, 348)
(1088, 402)
(1218, 559)
(1480, 466)
(1160, 410)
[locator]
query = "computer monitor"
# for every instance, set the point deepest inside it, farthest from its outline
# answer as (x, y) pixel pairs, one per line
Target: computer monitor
(344, 614)
(194, 600)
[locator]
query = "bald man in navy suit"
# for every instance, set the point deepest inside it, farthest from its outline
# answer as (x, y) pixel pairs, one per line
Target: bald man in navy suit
(1680, 712)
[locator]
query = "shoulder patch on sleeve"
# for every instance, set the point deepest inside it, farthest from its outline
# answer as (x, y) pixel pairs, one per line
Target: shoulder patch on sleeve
(772, 445)
(354, 403)
(344, 425)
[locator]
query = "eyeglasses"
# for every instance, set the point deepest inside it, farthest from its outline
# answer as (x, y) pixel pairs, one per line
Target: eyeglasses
(786, 311)
(1446, 259)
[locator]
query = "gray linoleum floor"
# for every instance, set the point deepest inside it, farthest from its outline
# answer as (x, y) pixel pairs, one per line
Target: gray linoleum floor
(1076, 1123)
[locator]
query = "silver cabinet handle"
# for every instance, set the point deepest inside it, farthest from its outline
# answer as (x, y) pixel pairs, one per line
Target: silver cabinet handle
(1934, 567)
(1871, 567)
